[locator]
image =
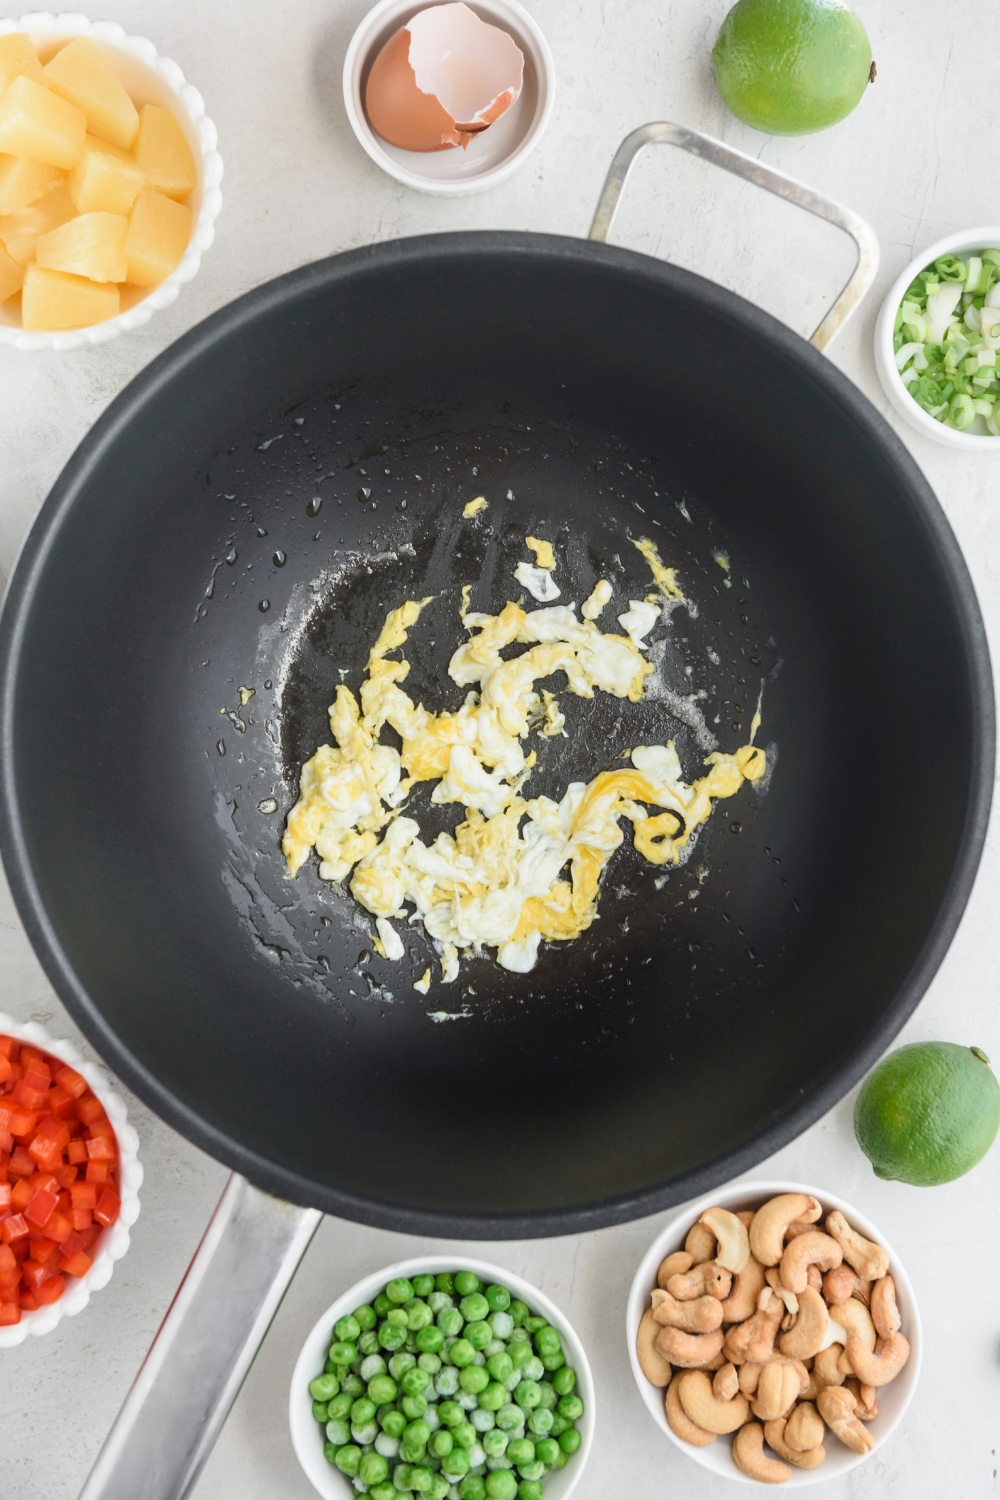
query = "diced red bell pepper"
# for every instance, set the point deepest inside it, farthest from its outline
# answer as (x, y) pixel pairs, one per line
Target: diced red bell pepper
(81, 1218)
(49, 1140)
(100, 1148)
(41, 1208)
(8, 1260)
(37, 1073)
(6, 1068)
(46, 1180)
(107, 1208)
(89, 1110)
(6, 1144)
(8, 1047)
(58, 1228)
(67, 1078)
(10, 1281)
(14, 1117)
(35, 1273)
(20, 1195)
(14, 1228)
(50, 1291)
(76, 1152)
(23, 1124)
(72, 1244)
(83, 1195)
(78, 1265)
(97, 1171)
(27, 1300)
(21, 1164)
(10, 1313)
(42, 1249)
(66, 1176)
(4, 1196)
(31, 1054)
(18, 1070)
(28, 1095)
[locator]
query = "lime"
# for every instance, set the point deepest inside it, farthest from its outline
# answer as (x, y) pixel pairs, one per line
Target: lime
(928, 1113)
(791, 66)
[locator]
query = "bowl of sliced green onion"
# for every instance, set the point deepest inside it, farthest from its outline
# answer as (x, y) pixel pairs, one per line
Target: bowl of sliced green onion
(442, 1378)
(937, 341)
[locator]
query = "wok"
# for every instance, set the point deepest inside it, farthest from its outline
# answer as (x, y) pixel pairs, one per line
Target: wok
(207, 536)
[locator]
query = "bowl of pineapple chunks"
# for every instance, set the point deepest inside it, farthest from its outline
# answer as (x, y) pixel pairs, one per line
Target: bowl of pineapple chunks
(109, 181)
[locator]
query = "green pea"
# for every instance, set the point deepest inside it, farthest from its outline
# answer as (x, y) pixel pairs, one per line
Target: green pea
(444, 1282)
(423, 1285)
(362, 1411)
(547, 1449)
(519, 1351)
(570, 1440)
(330, 1452)
(498, 1297)
(547, 1340)
(396, 1318)
(553, 1362)
(340, 1406)
(402, 1477)
(365, 1317)
(353, 1386)
(338, 1433)
(494, 1442)
(493, 1397)
(464, 1435)
(372, 1469)
(441, 1442)
(412, 1453)
(394, 1423)
(472, 1488)
(429, 1362)
(330, 1369)
(383, 1491)
(462, 1353)
(479, 1334)
(324, 1387)
(521, 1451)
(540, 1421)
(519, 1311)
(533, 1323)
(501, 1485)
(559, 1424)
(347, 1330)
(421, 1479)
(381, 1305)
(502, 1324)
(474, 1307)
(529, 1489)
(399, 1290)
(450, 1413)
(418, 1431)
(549, 1399)
(456, 1463)
(430, 1340)
(413, 1407)
(466, 1282)
(509, 1417)
(474, 1379)
(391, 1338)
(321, 1411)
(368, 1342)
(400, 1363)
(415, 1381)
(500, 1366)
(418, 1314)
(382, 1389)
(564, 1381)
(348, 1459)
(561, 1461)
(570, 1407)
(534, 1470)
(450, 1321)
(528, 1395)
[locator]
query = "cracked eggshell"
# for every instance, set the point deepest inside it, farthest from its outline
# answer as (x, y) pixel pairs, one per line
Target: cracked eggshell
(442, 79)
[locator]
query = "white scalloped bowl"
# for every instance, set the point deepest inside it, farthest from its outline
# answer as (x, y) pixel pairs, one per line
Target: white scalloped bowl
(150, 79)
(114, 1242)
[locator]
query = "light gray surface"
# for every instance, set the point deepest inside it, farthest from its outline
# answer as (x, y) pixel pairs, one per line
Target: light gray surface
(918, 160)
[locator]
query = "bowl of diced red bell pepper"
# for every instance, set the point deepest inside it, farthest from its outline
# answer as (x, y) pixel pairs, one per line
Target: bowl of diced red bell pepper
(69, 1181)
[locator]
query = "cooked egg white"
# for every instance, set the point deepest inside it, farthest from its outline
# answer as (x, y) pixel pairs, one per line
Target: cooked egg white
(517, 869)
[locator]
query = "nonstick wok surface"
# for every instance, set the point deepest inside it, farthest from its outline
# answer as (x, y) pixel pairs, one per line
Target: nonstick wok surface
(208, 536)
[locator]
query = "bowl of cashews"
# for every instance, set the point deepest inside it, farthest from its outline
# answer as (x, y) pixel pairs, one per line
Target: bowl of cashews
(774, 1334)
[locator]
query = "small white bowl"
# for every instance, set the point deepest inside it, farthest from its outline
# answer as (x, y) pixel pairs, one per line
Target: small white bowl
(307, 1435)
(893, 1399)
(494, 154)
(953, 244)
(149, 79)
(114, 1242)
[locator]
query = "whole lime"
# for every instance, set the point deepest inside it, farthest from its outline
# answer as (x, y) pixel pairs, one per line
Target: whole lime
(791, 66)
(928, 1113)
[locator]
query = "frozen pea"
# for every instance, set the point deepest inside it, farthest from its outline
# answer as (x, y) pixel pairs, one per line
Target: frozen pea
(366, 1434)
(509, 1417)
(570, 1440)
(445, 1282)
(386, 1445)
(467, 1400)
(472, 1488)
(464, 1435)
(414, 1381)
(466, 1282)
(384, 1491)
(429, 1340)
(521, 1451)
(455, 1464)
(399, 1364)
(500, 1365)
(534, 1369)
(368, 1342)
(451, 1414)
(494, 1443)
(391, 1338)
(498, 1298)
(446, 1380)
(399, 1290)
(321, 1412)
(432, 1417)
(473, 1308)
(482, 1420)
(570, 1407)
(540, 1421)
(564, 1381)
(479, 1334)
(348, 1459)
(477, 1456)
(441, 1443)
(439, 1300)
(402, 1477)
(324, 1387)
(502, 1324)
(548, 1397)
(475, 1378)
(418, 1314)
(347, 1330)
(528, 1395)
(353, 1386)
(501, 1485)
(519, 1311)
(338, 1432)
(547, 1450)
(503, 1462)
(493, 1397)
(533, 1470)
(373, 1469)
(429, 1362)
(520, 1353)
(529, 1489)
(423, 1285)
(394, 1423)
(450, 1321)
(382, 1389)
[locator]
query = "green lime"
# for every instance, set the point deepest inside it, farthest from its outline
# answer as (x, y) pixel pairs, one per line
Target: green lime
(928, 1113)
(791, 66)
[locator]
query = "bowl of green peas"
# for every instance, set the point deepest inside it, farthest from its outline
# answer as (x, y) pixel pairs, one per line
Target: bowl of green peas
(937, 341)
(442, 1379)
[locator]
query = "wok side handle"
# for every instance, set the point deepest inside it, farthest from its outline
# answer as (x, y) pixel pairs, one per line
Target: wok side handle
(664, 133)
(206, 1343)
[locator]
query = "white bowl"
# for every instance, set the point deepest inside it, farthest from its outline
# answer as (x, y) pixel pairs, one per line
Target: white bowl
(149, 79)
(307, 1435)
(893, 1399)
(494, 154)
(953, 244)
(114, 1242)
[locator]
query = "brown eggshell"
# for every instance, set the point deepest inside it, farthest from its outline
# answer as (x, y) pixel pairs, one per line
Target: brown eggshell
(398, 111)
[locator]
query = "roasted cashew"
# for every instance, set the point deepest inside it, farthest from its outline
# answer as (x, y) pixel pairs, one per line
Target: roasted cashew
(826, 1367)
(843, 1282)
(774, 1433)
(673, 1265)
(749, 1377)
(745, 1217)
(699, 1401)
(884, 1364)
(856, 1321)
(815, 1277)
(733, 1243)
(805, 1428)
(651, 1362)
(703, 1280)
(690, 1351)
(700, 1315)
(866, 1399)
(679, 1421)
(777, 1391)
(885, 1313)
(767, 1232)
(837, 1408)
(700, 1243)
(812, 1249)
(753, 1340)
(748, 1452)
(868, 1259)
(797, 1227)
(773, 1278)
(806, 1335)
(747, 1287)
(713, 1364)
(726, 1383)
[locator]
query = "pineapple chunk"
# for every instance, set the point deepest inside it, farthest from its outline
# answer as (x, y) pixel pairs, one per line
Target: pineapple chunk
(105, 179)
(11, 275)
(23, 182)
(92, 245)
(54, 299)
(158, 232)
(162, 152)
(19, 232)
(81, 74)
(36, 124)
(17, 55)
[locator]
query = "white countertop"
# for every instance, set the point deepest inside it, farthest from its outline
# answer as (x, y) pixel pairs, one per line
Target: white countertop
(918, 159)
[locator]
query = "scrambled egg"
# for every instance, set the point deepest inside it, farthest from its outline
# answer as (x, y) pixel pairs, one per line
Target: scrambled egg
(517, 869)
(473, 507)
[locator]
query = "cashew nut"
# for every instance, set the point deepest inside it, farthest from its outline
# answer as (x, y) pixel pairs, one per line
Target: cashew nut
(805, 1428)
(812, 1249)
(713, 1364)
(673, 1265)
(796, 1227)
(774, 1433)
(884, 1364)
(679, 1421)
(703, 1280)
(773, 1278)
(726, 1383)
(865, 1398)
(885, 1313)
(815, 1278)
(837, 1408)
(749, 1377)
(767, 1232)
(651, 1362)
(826, 1367)
(753, 1340)
(689, 1350)
(777, 1391)
(747, 1286)
(703, 1407)
(700, 1315)
(745, 1217)
(856, 1321)
(700, 1243)
(748, 1451)
(843, 1282)
(806, 1335)
(868, 1259)
(734, 1244)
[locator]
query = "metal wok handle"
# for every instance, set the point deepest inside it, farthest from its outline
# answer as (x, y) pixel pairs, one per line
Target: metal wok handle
(206, 1344)
(664, 133)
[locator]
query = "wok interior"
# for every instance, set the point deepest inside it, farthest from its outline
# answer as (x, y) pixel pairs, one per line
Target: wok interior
(696, 1025)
